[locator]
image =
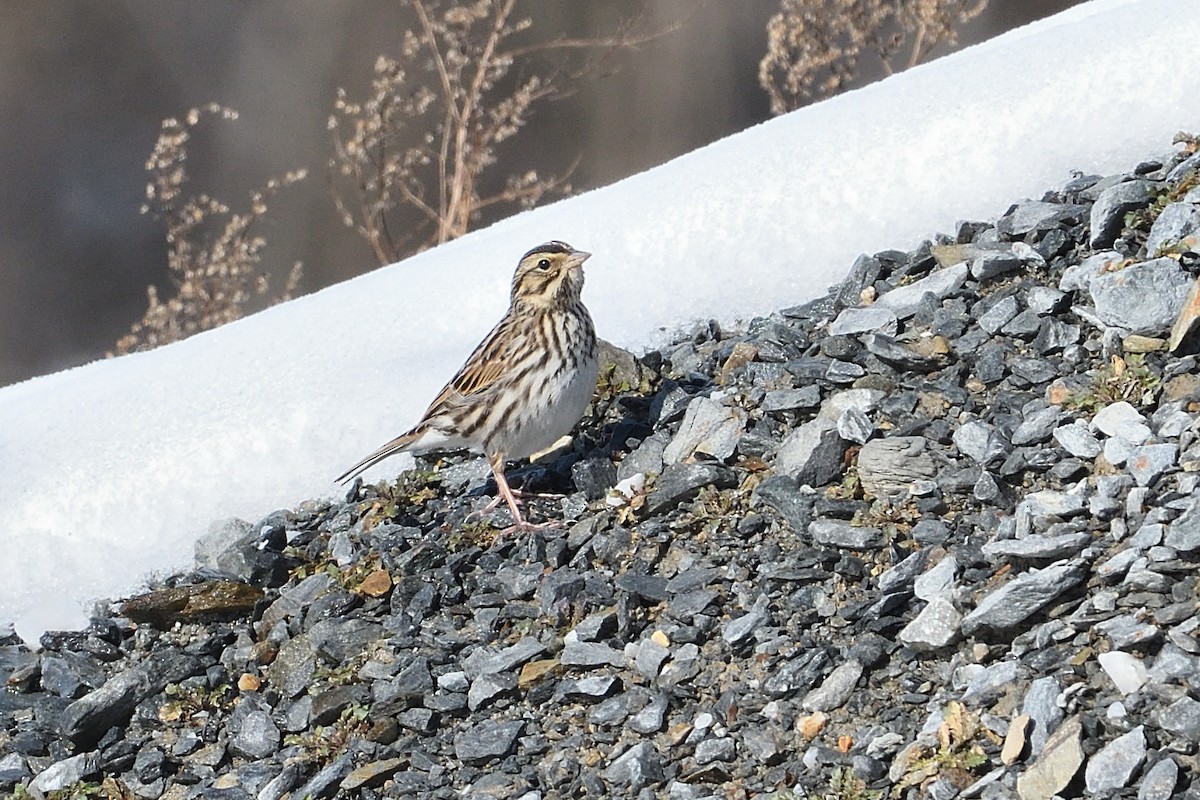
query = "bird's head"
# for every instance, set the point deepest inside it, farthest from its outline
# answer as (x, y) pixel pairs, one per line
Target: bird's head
(549, 274)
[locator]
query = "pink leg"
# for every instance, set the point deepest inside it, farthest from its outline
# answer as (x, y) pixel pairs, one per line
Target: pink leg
(506, 492)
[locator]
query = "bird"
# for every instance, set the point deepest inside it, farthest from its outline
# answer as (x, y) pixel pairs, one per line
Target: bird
(526, 384)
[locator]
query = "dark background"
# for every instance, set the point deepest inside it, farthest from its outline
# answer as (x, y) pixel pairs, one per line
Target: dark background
(84, 87)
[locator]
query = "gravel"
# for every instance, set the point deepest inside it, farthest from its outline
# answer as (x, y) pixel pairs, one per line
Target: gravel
(935, 534)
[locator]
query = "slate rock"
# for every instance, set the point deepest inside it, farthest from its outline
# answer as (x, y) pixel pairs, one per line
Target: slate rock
(709, 428)
(86, 719)
(889, 466)
(1107, 216)
(1158, 782)
(1021, 597)
(937, 626)
(1115, 764)
(487, 740)
(1142, 298)
(637, 767)
(905, 300)
(255, 736)
(1175, 228)
(679, 483)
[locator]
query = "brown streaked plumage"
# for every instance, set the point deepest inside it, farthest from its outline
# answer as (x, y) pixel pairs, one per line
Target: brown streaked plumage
(528, 381)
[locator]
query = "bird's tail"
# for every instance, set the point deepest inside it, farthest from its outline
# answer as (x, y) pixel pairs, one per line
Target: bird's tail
(397, 445)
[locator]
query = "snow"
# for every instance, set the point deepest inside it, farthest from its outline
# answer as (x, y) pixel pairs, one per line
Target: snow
(110, 471)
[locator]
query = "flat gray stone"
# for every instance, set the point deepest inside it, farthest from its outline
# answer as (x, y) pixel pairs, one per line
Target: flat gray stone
(1115, 764)
(1158, 782)
(1037, 547)
(1022, 597)
(1148, 463)
(1174, 229)
(1107, 216)
(484, 662)
(871, 319)
(709, 428)
(1181, 718)
(905, 300)
(937, 626)
(1077, 440)
(487, 740)
(839, 533)
(836, 689)
(1142, 298)
(889, 466)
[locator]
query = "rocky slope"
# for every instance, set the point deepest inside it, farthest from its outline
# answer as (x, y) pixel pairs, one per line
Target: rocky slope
(933, 535)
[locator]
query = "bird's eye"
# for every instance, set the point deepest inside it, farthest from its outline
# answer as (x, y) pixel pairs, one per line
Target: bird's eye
(544, 264)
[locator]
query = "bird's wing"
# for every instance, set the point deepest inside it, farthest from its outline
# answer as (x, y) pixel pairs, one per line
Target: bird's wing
(481, 371)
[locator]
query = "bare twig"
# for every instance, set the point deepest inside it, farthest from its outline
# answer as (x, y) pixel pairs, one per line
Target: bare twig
(412, 156)
(814, 46)
(214, 266)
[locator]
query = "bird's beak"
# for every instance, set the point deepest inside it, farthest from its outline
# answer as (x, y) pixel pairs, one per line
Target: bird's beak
(577, 258)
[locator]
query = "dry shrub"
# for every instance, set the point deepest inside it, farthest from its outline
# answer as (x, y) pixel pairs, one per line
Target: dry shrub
(814, 46)
(213, 253)
(410, 158)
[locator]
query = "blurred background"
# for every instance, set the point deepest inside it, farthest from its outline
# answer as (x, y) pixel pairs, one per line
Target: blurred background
(84, 87)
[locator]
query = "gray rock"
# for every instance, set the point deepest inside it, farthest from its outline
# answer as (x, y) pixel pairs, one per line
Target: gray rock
(1158, 782)
(1037, 427)
(999, 315)
(487, 740)
(589, 654)
(1058, 763)
(889, 466)
(650, 719)
(590, 688)
(709, 428)
(1044, 299)
(839, 533)
(1115, 764)
(803, 399)
(980, 442)
(1150, 461)
(937, 626)
(1126, 671)
(855, 426)
(871, 319)
(486, 688)
(69, 771)
(1141, 298)
(1122, 420)
(1107, 216)
(86, 719)
(1078, 277)
(1022, 597)
(1038, 547)
(1077, 440)
(899, 355)
(794, 505)
(650, 658)
(646, 458)
(711, 750)
(1034, 215)
(637, 767)
(843, 372)
(485, 662)
(254, 735)
(594, 477)
(681, 482)
(904, 301)
(1175, 228)
(325, 783)
(1041, 704)
(1184, 533)
(938, 581)
(991, 682)
(1055, 335)
(902, 575)
(836, 689)
(224, 547)
(739, 629)
(1181, 718)
(992, 265)
(372, 774)
(1051, 503)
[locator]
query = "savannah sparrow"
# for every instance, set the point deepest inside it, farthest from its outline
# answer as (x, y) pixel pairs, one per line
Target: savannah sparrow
(526, 384)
